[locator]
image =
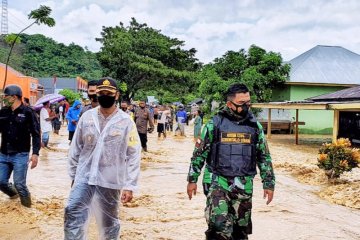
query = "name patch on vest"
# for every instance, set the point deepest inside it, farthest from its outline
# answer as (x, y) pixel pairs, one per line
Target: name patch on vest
(229, 137)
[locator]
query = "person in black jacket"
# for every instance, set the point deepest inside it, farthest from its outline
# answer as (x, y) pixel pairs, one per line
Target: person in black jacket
(18, 125)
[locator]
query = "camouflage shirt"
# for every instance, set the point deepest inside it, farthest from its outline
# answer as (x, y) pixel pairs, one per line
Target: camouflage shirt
(202, 153)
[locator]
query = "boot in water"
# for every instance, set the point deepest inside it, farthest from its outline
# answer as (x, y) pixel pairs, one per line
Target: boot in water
(26, 201)
(10, 190)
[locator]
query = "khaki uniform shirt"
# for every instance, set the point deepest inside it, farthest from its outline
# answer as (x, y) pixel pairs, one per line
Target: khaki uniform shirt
(142, 117)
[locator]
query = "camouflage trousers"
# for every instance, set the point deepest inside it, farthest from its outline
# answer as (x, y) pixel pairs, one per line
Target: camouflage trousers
(228, 214)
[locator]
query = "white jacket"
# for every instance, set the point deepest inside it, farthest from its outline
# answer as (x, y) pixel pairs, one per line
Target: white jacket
(110, 159)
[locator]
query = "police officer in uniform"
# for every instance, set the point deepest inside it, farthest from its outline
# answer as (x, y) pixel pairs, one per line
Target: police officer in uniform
(143, 118)
(18, 125)
(232, 144)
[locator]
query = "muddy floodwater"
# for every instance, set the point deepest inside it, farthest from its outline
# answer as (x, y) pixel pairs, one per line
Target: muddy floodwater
(305, 205)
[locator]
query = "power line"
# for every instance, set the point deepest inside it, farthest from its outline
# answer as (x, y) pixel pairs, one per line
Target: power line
(14, 24)
(4, 18)
(18, 19)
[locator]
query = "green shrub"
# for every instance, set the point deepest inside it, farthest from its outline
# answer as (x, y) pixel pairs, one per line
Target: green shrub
(336, 158)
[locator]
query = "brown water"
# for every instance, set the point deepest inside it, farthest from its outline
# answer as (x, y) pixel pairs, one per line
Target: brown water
(303, 207)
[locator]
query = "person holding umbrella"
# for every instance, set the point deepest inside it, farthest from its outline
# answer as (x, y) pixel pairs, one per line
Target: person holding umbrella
(51, 98)
(45, 124)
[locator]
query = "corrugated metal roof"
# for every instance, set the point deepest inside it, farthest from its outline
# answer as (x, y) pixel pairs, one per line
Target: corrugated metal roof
(349, 94)
(326, 64)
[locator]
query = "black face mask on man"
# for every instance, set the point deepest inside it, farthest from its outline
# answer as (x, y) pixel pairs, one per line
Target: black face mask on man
(106, 101)
(244, 109)
(93, 97)
(124, 109)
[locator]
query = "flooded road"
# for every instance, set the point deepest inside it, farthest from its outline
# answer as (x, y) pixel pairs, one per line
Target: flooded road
(303, 206)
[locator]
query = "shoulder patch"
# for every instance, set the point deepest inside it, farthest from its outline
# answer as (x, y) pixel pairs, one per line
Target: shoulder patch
(133, 136)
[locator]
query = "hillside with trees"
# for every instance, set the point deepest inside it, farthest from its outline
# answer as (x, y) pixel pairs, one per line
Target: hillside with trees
(39, 56)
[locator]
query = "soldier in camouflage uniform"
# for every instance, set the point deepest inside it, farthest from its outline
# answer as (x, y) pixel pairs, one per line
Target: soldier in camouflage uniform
(231, 145)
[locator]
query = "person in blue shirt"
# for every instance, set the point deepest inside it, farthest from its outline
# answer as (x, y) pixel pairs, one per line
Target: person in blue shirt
(73, 116)
(181, 117)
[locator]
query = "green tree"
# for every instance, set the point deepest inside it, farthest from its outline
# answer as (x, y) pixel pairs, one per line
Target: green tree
(70, 95)
(165, 96)
(144, 58)
(261, 71)
(212, 86)
(231, 65)
(40, 16)
(265, 71)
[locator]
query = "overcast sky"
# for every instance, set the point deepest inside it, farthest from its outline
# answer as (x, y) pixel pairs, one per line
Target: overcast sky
(210, 26)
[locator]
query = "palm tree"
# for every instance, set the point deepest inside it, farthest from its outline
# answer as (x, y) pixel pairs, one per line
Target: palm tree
(40, 16)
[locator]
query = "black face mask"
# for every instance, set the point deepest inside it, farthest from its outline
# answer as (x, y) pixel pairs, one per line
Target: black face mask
(244, 109)
(124, 109)
(93, 97)
(142, 107)
(106, 101)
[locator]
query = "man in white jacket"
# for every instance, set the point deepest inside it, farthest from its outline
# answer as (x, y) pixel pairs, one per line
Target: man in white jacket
(104, 160)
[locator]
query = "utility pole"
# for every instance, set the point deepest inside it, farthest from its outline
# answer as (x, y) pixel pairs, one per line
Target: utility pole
(4, 27)
(4, 18)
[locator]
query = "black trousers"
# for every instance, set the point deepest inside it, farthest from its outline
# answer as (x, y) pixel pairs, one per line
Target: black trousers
(71, 135)
(143, 139)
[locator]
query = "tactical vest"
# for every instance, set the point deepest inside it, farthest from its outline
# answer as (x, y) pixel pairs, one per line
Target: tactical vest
(233, 151)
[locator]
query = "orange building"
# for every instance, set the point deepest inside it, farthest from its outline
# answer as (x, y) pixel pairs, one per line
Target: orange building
(82, 84)
(29, 85)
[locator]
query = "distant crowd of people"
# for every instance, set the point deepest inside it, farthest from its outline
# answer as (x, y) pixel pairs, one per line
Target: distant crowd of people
(165, 118)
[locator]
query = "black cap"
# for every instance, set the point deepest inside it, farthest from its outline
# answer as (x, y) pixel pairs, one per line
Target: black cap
(107, 84)
(11, 90)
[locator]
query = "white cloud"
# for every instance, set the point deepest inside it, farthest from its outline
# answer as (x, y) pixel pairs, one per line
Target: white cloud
(212, 27)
